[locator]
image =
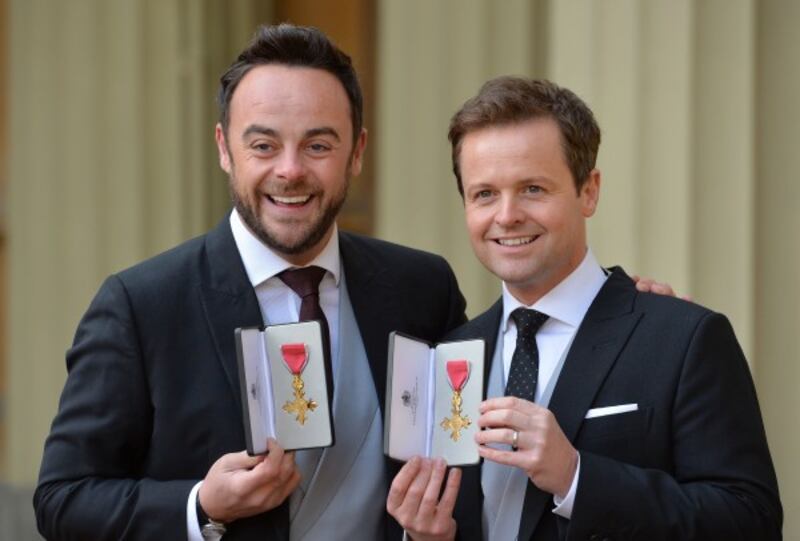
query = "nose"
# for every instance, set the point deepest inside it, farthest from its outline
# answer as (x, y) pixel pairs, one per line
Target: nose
(509, 212)
(290, 165)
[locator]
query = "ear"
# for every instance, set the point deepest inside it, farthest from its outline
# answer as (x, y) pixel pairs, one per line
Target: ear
(357, 160)
(590, 193)
(222, 149)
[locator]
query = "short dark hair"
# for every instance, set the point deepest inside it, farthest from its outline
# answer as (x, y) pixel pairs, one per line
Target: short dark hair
(510, 100)
(291, 45)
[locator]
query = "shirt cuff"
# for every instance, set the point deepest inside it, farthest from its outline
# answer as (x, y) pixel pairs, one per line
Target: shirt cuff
(192, 527)
(563, 506)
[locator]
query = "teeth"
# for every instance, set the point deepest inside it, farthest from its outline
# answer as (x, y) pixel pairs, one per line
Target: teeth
(294, 200)
(515, 242)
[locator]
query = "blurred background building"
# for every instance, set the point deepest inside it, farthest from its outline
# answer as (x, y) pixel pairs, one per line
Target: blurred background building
(107, 157)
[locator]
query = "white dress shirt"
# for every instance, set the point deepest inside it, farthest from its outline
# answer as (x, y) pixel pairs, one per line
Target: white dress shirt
(566, 305)
(279, 304)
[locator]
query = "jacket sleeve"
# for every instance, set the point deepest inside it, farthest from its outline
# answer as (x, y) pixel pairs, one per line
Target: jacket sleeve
(457, 305)
(91, 484)
(722, 485)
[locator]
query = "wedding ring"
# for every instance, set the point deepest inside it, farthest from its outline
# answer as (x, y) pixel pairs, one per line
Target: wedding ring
(514, 439)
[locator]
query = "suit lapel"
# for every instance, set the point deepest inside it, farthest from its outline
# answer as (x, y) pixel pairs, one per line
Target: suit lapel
(229, 301)
(602, 335)
(600, 339)
(228, 298)
(484, 326)
(468, 511)
(354, 413)
(376, 305)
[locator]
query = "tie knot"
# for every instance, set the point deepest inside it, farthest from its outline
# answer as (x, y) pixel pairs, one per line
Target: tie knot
(528, 321)
(304, 281)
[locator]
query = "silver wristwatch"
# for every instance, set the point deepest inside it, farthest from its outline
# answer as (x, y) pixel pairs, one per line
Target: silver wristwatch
(209, 528)
(212, 530)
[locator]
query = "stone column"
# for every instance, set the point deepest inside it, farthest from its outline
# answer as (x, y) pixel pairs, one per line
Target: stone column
(777, 235)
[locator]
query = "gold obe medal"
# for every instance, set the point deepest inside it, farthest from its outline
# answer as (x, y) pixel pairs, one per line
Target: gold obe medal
(295, 357)
(457, 376)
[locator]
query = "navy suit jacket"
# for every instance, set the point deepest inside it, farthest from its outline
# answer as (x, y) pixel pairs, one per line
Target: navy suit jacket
(152, 393)
(691, 463)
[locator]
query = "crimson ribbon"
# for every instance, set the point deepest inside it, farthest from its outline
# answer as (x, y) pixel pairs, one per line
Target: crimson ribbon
(295, 356)
(457, 373)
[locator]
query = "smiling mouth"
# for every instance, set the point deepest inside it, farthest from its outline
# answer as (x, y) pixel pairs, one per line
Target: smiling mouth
(294, 200)
(517, 241)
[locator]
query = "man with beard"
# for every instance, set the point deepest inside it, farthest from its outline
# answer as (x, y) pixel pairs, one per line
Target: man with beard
(148, 440)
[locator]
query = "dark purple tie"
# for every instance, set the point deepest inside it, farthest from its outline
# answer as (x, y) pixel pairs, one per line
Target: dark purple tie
(524, 369)
(305, 282)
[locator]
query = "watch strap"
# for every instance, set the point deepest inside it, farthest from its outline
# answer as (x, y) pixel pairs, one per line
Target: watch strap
(209, 528)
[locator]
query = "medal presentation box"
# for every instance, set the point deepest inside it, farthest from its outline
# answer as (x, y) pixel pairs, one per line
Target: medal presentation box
(283, 386)
(432, 398)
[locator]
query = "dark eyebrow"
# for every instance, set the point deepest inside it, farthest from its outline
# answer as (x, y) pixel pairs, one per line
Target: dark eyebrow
(325, 130)
(261, 130)
(480, 187)
(313, 132)
(536, 180)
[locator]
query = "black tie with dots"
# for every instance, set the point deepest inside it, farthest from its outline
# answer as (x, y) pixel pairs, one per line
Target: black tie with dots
(525, 362)
(305, 282)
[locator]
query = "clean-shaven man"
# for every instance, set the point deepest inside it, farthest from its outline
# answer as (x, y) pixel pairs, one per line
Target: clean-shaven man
(612, 414)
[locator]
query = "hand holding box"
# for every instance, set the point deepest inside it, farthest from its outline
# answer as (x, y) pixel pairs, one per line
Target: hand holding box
(282, 377)
(432, 398)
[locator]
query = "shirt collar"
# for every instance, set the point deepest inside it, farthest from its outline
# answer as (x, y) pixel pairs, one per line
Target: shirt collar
(261, 263)
(569, 301)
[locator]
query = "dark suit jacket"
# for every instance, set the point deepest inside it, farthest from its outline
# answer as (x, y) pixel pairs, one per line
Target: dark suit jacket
(152, 396)
(692, 463)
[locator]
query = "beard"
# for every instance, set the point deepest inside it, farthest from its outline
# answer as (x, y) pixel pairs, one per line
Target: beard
(314, 231)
